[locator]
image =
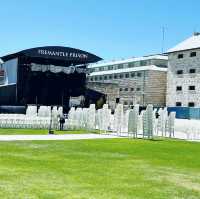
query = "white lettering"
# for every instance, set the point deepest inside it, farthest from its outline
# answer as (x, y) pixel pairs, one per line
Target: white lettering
(62, 54)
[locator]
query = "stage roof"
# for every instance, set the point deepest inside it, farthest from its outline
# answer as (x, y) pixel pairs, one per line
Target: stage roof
(59, 53)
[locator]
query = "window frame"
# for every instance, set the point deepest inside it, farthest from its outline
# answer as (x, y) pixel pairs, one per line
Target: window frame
(189, 88)
(178, 103)
(179, 88)
(193, 54)
(180, 56)
(189, 104)
(178, 72)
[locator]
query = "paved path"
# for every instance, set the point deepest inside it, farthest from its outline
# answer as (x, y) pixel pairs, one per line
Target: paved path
(55, 137)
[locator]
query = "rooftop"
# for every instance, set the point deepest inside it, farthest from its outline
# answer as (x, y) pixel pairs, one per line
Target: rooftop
(192, 42)
(123, 61)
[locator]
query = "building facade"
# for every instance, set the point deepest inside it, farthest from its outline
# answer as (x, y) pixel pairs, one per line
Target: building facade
(110, 90)
(183, 78)
(140, 80)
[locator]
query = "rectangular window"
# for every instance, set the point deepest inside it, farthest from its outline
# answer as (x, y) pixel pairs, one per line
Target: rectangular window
(192, 70)
(132, 89)
(143, 63)
(191, 88)
(132, 74)
(110, 76)
(120, 66)
(180, 56)
(139, 74)
(105, 77)
(109, 67)
(96, 78)
(138, 89)
(125, 103)
(126, 89)
(191, 104)
(130, 65)
(101, 68)
(179, 72)
(178, 104)
(179, 88)
(100, 78)
(193, 54)
(120, 89)
(91, 78)
(121, 76)
(127, 75)
(115, 76)
(125, 65)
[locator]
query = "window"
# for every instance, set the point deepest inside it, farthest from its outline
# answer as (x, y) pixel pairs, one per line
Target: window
(132, 89)
(178, 104)
(100, 78)
(138, 89)
(192, 70)
(110, 76)
(130, 65)
(120, 89)
(101, 68)
(125, 103)
(180, 56)
(110, 67)
(126, 89)
(191, 104)
(143, 63)
(96, 78)
(91, 78)
(127, 75)
(139, 74)
(179, 88)
(105, 77)
(179, 72)
(132, 74)
(125, 65)
(120, 66)
(193, 54)
(191, 88)
(115, 76)
(120, 76)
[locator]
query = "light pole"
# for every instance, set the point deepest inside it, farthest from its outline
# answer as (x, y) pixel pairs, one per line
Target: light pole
(50, 125)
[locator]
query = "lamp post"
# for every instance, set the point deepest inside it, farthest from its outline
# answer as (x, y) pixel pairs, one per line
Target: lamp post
(50, 125)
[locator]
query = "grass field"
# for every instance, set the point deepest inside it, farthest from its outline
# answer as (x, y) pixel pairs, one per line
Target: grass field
(40, 131)
(98, 169)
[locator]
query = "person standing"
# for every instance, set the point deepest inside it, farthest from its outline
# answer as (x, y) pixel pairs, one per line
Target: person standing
(62, 121)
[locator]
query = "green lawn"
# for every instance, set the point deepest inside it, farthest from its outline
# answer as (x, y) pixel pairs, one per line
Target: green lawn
(100, 169)
(40, 131)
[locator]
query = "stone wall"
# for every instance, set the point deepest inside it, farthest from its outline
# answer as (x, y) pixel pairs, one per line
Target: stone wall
(147, 88)
(111, 90)
(185, 80)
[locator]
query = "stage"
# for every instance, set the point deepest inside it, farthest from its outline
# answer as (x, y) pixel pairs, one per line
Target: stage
(47, 75)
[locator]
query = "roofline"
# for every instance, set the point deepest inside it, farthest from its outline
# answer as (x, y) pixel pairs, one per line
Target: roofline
(181, 50)
(26, 52)
(128, 60)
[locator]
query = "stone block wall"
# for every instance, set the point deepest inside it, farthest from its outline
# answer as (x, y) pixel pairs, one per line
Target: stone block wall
(185, 80)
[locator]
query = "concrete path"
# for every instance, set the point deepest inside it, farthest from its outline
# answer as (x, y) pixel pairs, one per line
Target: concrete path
(55, 137)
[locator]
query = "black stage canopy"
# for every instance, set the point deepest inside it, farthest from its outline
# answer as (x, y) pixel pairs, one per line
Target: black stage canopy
(57, 54)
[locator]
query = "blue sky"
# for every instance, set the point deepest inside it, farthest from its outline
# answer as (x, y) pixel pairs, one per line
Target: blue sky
(112, 29)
